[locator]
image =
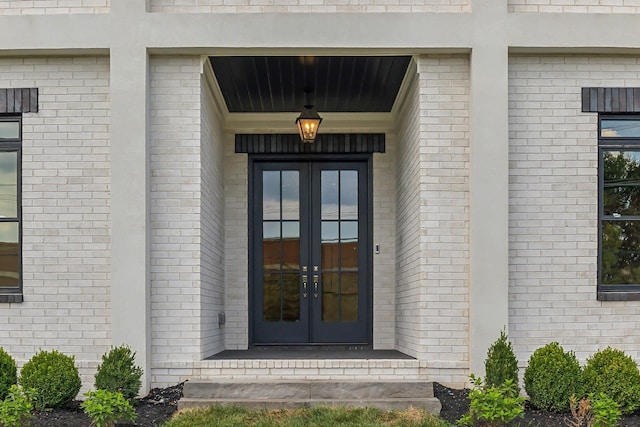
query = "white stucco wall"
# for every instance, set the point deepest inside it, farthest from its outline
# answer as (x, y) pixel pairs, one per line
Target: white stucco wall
(575, 6)
(52, 7)
(553, 207)
(66, 212)
(298, 6)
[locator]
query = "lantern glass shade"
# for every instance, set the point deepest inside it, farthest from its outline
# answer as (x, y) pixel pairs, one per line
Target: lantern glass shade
(308, 123)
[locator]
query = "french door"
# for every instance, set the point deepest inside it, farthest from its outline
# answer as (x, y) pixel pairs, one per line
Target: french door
(310, 250)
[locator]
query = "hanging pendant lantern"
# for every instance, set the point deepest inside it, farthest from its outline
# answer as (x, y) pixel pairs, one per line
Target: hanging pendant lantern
(308, 123)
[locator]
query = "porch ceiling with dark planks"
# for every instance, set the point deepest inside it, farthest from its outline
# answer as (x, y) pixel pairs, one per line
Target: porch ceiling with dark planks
(275, 84)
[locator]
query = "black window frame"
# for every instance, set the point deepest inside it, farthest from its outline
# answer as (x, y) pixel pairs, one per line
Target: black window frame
(14, 294)
(613, 292)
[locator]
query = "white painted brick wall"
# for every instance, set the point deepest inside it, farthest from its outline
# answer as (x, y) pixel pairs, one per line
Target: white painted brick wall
(315, 6)
(236, 248)
(52, 7)
(575, 6)
(553, 208)
(408, 249)
(212, 143)
(170, 373)
(175, 208)
(444, 215)
(384, 234)
(66, 212)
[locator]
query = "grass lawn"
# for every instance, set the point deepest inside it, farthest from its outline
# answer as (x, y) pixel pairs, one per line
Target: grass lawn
(227, 416)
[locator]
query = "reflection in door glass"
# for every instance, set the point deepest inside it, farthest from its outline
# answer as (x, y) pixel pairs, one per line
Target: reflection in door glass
(329, 194)
(271, 299)
(349, 288)
(330, 255)
(270, 195)
(271, 260)
(349, 245)
(290, 246)
(290, 195)
(281, 246)
(290, 297)
(339, 245)
(348, 194)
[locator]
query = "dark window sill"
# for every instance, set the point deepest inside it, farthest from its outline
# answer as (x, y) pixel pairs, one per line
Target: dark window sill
(11, 298)
(619, 296)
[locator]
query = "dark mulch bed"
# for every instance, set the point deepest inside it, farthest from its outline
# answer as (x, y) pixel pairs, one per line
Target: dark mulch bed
(153, 410)
(160, 404)
(455, 404)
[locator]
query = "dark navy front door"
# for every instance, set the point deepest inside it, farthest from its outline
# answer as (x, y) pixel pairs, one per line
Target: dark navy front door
(310, 245)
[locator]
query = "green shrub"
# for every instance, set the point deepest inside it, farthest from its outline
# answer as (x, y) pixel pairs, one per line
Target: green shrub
(54, 377)
(615, 374)
(552, 377)
(501, 364)
(16, 408)
(492, 406)
(118, 372)
(606, 412)
(105, 408)
(8, 373)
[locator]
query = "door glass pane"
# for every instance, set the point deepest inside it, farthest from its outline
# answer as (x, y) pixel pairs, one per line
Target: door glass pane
(271, 195)
(9, 253)
(330, 297)
(330, 245)
(349, 244)
(348, 194)
(621, 170)
(10, 129)
(271, 297)
(620, 128)
(8, 184)
(281, 245)
(620, 252)
(349, 296)
(271, 246)
(290, 298)
(291, 245)
(329, 194)
(330, 283)
(290, 195)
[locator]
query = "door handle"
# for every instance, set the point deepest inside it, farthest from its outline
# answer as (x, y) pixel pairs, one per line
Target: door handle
(304, 286)
(315, 286)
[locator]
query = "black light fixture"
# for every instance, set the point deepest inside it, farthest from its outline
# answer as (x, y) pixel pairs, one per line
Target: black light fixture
(308, 121)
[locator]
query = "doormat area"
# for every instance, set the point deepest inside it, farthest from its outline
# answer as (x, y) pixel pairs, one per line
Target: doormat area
(304, 352)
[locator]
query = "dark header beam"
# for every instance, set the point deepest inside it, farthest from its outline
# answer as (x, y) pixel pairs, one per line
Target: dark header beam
(610, 100)
(325, 143)
(22, 100)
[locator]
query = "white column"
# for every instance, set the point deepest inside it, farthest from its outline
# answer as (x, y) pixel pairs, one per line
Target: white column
(130, 247)
(489, 182)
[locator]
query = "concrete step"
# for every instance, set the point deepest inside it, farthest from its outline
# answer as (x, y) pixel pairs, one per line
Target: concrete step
(430, 404)
(304, 393)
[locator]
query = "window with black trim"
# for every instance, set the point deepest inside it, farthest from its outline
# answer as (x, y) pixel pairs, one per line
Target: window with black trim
(619, 206)
(10, 209)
